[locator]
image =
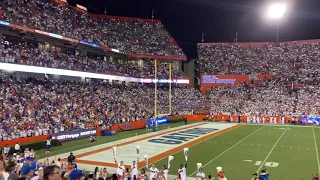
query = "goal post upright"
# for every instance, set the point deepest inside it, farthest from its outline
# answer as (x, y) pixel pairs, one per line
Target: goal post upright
(170, 83)
(155, 88)
(156, 91)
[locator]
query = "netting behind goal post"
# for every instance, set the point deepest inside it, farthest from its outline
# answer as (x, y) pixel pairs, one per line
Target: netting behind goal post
(156, 115)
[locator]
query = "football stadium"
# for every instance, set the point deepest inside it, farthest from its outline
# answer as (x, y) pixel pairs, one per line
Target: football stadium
(99, 90)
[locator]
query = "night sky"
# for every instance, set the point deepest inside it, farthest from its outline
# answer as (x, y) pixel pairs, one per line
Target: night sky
(219, 20)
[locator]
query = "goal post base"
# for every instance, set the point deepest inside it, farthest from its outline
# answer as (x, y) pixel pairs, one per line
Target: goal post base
(154, 124)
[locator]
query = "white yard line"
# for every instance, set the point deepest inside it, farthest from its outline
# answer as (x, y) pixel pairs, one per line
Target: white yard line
(315, 144)
(228, 149)
(264, 161)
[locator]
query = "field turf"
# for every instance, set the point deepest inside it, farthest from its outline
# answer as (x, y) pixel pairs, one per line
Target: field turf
(287, 152)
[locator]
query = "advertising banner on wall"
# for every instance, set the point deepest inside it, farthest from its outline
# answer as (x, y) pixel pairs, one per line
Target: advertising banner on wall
(127, 126)
(208, 81)
(72, 135)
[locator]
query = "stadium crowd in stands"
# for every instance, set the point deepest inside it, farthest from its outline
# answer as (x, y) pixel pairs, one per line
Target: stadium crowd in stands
(298, 61)
(32, 107)
(23, 52)
(293, 63)
(270, 98)
(139, 37)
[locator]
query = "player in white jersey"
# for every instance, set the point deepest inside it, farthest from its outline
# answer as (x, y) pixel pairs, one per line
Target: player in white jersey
(283, 119)
(274, 120)
(143, 175)
(271, 120)
(104, 173)
(200, 175)
(134, 170)
(183, 171)
(248, 119)
(258, 119)
(263, 119)
(120, 170)
(6, 150)
(48, 145)
(165, 172)
(153, 172)
(254, 119)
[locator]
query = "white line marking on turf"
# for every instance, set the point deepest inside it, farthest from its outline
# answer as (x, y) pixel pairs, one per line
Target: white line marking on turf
(315, 144)
(264, 161)
(227, 150)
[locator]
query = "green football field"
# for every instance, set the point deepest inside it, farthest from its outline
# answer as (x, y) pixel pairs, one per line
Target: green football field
(287, 152)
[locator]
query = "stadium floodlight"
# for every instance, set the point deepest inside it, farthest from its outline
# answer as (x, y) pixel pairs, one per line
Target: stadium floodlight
(276, 11)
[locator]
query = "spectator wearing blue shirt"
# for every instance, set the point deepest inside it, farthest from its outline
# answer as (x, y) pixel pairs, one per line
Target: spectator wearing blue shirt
(264, 175)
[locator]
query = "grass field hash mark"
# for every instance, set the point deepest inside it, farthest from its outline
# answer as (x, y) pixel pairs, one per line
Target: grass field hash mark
(264, 161)
(227, 150)
(315, 144)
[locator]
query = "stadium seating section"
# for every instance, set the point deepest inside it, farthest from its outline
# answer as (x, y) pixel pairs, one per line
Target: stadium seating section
(134, 36)
(292, 63)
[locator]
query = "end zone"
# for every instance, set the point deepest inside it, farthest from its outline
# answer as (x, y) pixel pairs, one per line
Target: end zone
(157, 146)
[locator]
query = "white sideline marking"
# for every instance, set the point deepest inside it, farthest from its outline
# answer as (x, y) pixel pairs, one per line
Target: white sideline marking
(227, 150)
(264, 161)
(315, 144)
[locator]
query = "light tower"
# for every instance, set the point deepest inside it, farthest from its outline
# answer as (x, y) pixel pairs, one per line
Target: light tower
(276, 11)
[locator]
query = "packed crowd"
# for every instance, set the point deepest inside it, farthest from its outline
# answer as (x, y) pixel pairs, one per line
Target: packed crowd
(31, 107)
(298, 62)
(270, 97)
(139, 37)
(26, 52)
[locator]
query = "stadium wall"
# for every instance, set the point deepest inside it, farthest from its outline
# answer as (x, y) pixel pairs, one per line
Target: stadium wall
(221, 117)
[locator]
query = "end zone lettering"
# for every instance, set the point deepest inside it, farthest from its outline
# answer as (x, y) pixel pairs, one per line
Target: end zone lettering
(182, 136)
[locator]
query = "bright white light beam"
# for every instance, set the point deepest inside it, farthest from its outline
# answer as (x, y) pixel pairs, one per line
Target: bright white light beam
(276, 11)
